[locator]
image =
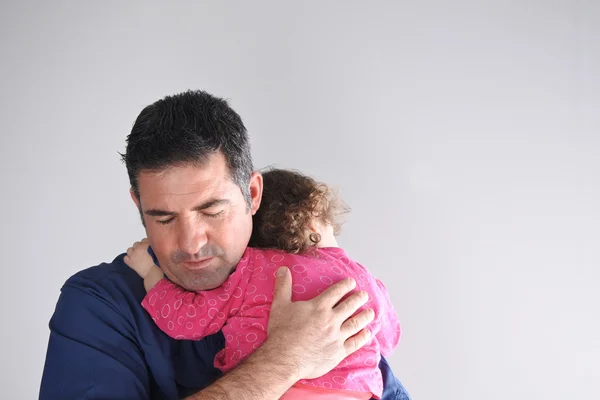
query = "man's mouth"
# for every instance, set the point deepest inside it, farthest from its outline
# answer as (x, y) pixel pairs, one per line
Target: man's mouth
(197, 264)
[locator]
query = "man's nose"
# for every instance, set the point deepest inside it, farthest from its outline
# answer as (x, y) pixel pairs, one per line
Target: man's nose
(192, 236)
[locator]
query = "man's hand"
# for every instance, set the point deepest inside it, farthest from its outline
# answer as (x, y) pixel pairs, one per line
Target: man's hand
(315, 336)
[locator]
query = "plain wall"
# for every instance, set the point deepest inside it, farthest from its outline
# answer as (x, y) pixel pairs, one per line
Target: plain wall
(465, 135)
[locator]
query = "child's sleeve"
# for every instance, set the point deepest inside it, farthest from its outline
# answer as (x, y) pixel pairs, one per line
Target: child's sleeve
(244, 333)
(390, 331)
(183, 314)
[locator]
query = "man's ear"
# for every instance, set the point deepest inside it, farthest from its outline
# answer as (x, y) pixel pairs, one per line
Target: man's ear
(134, 198)
(137, 204)
(256, 189)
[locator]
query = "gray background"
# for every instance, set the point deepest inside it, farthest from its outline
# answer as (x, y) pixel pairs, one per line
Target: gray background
(463, 134)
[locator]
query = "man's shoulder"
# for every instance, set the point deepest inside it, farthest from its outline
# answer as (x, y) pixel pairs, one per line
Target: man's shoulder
(113, 282)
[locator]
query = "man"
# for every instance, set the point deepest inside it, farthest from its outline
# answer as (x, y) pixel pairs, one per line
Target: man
(191, 174)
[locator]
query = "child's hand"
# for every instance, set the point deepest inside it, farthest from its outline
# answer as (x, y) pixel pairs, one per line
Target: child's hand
(139, 259)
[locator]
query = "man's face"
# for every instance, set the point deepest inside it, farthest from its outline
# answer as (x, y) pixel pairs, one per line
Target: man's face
(197, 221)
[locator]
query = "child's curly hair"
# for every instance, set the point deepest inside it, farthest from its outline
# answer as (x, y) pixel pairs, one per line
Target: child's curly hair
(290, 202)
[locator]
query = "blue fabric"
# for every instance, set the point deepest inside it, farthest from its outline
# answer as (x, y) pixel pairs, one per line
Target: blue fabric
(103, 345)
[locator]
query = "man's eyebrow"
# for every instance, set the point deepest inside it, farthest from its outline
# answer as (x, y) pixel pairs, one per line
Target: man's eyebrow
(159, 213)
(211, 203)
(154, 212)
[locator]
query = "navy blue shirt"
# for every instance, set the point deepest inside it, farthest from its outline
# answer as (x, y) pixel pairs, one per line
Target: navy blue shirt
(103, 345)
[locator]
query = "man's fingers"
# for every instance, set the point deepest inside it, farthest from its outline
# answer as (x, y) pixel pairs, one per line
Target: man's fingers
(350, 305)
(334, 293)
(357, 341)
(353, 325)
(283, 286)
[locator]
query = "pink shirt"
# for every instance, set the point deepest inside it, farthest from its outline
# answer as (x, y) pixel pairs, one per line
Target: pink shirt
(240, 307)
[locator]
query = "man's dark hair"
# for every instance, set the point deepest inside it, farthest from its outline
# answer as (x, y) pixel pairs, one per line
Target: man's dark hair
(187, 128)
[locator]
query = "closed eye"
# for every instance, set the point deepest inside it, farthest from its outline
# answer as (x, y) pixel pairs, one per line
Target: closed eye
(214, 215)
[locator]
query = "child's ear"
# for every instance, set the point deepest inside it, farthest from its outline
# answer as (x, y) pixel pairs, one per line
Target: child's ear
(315, 225)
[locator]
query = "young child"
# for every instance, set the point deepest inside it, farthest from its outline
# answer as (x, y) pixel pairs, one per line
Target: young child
(295, 226)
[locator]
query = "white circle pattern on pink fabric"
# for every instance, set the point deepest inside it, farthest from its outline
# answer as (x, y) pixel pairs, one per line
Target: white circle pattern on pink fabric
(299, 269)
(337, 270)
(277, 258)
(340, 380)
(298, 289)
(200, 301)
(259, 298)
(326, 280)
(251, 289)
(237, 293)
(187, 299)
(166, 313)
(260, 326)
(191, 311)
